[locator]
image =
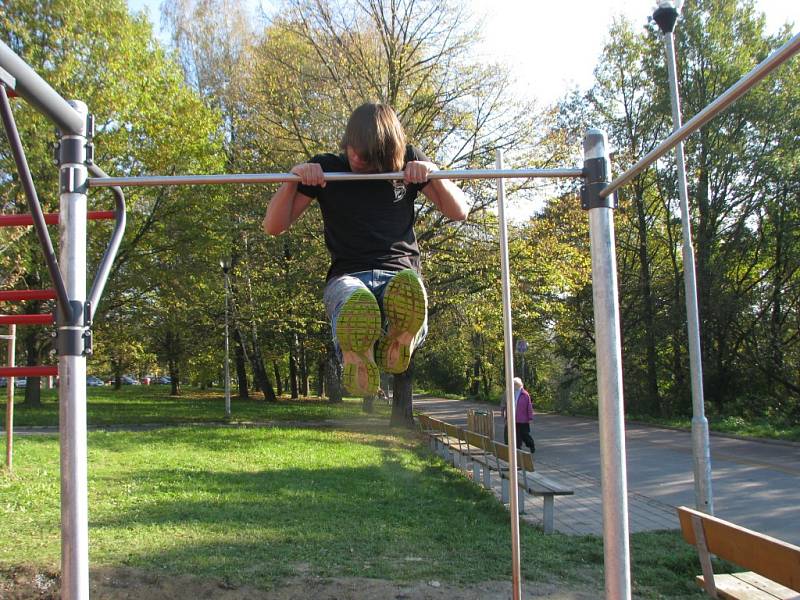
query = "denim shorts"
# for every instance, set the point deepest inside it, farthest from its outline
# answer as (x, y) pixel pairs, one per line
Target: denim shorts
(339, 289)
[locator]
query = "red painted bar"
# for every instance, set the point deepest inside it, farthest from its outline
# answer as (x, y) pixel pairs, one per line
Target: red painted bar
(37, 319)
(38, 371)
(22, 220)
(19, 295)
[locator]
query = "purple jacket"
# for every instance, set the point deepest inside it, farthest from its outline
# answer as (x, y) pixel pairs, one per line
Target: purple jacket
(524, 412)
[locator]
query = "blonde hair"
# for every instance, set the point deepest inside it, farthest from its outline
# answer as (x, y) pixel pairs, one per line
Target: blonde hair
(376, 135)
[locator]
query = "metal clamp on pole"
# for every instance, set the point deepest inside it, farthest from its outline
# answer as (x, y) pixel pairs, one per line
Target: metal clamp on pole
(596, 177)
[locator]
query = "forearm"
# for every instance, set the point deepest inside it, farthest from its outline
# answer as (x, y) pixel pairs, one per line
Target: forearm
(448, 198)
(280, 209)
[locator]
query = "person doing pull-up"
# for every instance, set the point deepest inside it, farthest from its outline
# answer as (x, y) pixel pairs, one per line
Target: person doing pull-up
(374, 295)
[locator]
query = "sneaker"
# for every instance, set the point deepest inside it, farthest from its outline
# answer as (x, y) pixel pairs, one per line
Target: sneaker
(358, 326)
(405, 305)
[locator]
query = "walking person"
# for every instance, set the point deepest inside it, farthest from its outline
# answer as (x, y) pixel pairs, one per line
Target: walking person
(374, 295)
(524, 417)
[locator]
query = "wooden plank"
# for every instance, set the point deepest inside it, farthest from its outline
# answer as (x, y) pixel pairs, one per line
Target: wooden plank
(540, 486)
(732, 588)
(524, 459)
(767, 556)
(768, 586)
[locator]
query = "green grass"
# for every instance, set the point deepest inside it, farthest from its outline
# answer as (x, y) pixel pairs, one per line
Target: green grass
(253, 505)
(756, 428)
(153, 404)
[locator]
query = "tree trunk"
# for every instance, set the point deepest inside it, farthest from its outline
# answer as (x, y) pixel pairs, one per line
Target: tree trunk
(333, 375)
(652, 403)
(303, 369)
(241, 369)
(402, 414)
(175, 377)
(33, 395)
(368, 404)
(704, 238)
(173, 360)
(260, 376)
(293, 370)
(320, 378)
(276, 369)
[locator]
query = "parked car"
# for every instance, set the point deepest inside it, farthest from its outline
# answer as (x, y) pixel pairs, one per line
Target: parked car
(129, 380)
(3, 382)
(21, 382)
(93, 381)
(163, 380)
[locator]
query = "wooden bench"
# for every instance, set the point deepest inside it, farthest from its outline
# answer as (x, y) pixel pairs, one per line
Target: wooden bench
(531, 482)
(469, 450)
(429, 429)
(774, 565)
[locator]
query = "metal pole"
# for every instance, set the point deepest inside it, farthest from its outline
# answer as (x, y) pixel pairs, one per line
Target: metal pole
(38, 92)
(72, 367)
(666, 16)
(37, 216)
(227, 353)
(727, 98)
(161, 180)
(609, 367)
(11, 343)
(516, 570)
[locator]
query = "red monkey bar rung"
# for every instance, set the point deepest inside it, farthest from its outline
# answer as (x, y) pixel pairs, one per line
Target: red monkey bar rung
(51, 218)
(18, 295)
(38, 371)
(38, 319)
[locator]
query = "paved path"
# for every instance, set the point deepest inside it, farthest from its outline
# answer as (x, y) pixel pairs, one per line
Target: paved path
(755, 484)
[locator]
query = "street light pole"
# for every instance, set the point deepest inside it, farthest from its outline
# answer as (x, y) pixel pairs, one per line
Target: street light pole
(225, 263)
(665, 17)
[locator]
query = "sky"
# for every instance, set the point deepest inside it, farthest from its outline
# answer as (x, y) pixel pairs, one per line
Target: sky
(551, 46)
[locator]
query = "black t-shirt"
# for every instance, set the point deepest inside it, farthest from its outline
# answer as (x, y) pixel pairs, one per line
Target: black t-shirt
(368, 224)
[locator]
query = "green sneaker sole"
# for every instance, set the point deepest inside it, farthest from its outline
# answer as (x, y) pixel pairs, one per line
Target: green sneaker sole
(358, 326)
(405, 304)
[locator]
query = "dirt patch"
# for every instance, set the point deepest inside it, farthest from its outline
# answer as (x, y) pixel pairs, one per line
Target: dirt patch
(26, 583)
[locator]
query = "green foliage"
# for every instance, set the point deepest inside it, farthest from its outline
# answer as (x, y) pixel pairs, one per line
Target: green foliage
(743, 218)
(229, 98)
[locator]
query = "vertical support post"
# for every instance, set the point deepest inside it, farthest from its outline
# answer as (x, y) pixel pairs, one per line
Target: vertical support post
(597, 170)
(516, 570)
(227, 351)
(72, 338)
(665, 16)
(11, 346)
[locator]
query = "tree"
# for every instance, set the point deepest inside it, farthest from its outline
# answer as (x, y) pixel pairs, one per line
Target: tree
(745, 260)
(102, 55)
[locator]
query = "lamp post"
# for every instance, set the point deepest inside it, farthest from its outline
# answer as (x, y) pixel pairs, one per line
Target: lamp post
(665, 17)
(225, 263)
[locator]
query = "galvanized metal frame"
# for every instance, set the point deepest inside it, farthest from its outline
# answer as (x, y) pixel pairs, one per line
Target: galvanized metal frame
(164, 180)
(72, 367)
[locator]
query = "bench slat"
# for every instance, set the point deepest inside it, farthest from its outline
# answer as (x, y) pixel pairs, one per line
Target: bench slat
(762, 583)
(538, 480)
(776, 560)
(733, 587)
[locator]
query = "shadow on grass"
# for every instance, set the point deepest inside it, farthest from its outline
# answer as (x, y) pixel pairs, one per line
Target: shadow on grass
(385, 512)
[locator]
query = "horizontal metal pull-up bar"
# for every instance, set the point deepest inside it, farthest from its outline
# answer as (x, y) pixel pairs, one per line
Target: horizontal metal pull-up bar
(160, 180)
(730, 96)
